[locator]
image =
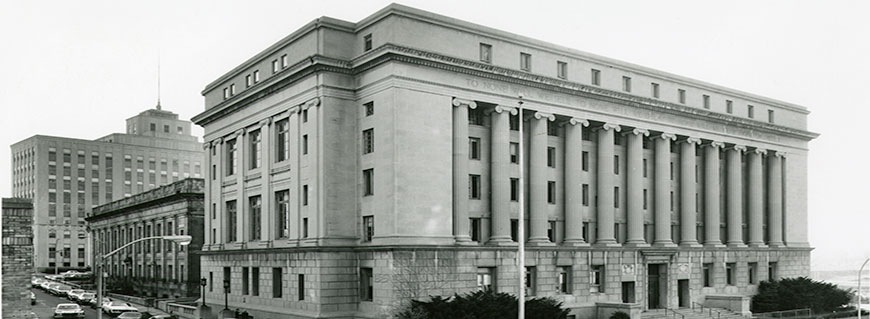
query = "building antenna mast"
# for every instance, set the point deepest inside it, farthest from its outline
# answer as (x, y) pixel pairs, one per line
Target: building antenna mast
(158, 80)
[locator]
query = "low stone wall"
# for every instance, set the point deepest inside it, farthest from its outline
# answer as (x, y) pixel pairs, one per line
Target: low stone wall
(736, 303)
(607, 309)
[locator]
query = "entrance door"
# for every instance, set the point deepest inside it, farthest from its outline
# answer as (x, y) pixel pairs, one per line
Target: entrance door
(653, 286)
(683, 292)
(628, 292)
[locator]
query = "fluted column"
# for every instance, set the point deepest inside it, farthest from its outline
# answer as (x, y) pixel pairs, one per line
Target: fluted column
(573, 182)
(711, 194)
(500, 174)
(756, 198)
(460, 169)
(606, 181)
(735, 196)
(688, 190)
(634, 204)
(663, 190)
(774, 199)
(538, 178)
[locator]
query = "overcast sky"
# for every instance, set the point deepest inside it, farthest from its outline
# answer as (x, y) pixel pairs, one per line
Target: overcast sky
(80, 68)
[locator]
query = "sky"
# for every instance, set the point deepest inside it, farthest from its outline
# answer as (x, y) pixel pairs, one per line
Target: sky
(80, 68)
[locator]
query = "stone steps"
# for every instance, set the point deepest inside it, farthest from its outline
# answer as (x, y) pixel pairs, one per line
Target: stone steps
(690, 314)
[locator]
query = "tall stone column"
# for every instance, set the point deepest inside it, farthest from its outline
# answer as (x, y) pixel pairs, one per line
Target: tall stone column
(573, 182)
(538, 178)
(500, 174)
(217, 193)
(735, 196)
(267, 214)
(460, 169)
(688, 190)
(774, 199)
(242, 200)
(711, 194)
(663, 190)
(634, 204)
(756, 198)
(606, 182)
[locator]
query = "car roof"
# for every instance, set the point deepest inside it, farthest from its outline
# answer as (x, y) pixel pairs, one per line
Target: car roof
(67, 304)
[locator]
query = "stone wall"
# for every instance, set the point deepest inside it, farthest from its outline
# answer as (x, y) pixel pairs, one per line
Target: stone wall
(17, 257)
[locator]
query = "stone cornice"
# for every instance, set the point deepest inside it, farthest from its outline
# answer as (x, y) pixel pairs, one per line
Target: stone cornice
(543, 115)
(457, 102)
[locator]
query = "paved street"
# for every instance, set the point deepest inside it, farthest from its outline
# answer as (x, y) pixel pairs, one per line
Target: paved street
(45, 303)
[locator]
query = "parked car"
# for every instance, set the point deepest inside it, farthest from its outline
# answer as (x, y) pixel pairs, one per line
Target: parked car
(116, 307)
(68, 310)
(51, 286)
(36, 281)
(87, 298)
(32, 298)
(62, 290)
(130, 315)
(73, 294)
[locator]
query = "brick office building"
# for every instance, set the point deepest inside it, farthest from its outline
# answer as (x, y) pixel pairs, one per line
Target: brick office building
(17, 217)
(354, 165)
(65, 177)
(155, 268)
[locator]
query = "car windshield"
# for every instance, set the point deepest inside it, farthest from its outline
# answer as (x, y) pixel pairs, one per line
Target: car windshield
(88, 295)
(76, 291)
(130, 314)
(67, 307)
(119, 303)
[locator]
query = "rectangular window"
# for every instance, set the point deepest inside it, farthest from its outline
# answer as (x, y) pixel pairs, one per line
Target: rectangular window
(750, 111)
(153, 127)
(654, 88)
(626, 84)
(368, 228)
(616, 164)
(771, 271)
(551, 157)
(474, 186)
(565, 280)
(596, 77)
(256, 76)
(368, 140)
(514, 121)
(706, 101)
(585, 195)
(369, 108)
(475, 116)
(369, 182)
(644, 168)
(304, 116)
(210, 281)
(227, 281)
(301, 287)
(681, 94)
(255, 281)
(305, 144)
(248, 80)
(277, 283)
(515, 152)
(616, 197)
(304, 195)
(552, 129)
(753, 273)
(645, 201)
(729, 106)
(584, 161)
(255, 149)
(596, 279)
(305, 227)
(474, 229)
(551, 192)
(769, 116)
(474, 148)
(367, 42)
(232, 89)
(485, 53)
(275, 66)
(551, 231)
(485, 278)
(284, 61)
(531, 281)
(231, 221)
(366, 287)
(729, 274)
(515, 189)
(515, 226)
(282, 199)
(562, 69)
(245, 281)
(254, 205)
(708, 275)
(282, 143)
(525, 62)
(226, 94)
(231, 157)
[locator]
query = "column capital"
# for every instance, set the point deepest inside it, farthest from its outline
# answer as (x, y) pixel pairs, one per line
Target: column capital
(217, 141)
(541, 115)
(638, 131)
(778, 153)
(308, 104)
(759, 151)
(206, 146)
(501, 108)
(739, 148)
(240, 132)
(575, 121)
(457, 102)
(608, 126)
(265, 122)
(714, 144)
(667, 136)
(691, 140)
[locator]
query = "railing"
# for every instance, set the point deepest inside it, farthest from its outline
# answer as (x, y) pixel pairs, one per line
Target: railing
(794, 313)
(674, 313)
(710, 311)
(183, 311)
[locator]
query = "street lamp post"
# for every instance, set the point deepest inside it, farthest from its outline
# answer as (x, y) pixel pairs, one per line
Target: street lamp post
(521, 248)
(859, 286)
(182, 240)
(203, 282)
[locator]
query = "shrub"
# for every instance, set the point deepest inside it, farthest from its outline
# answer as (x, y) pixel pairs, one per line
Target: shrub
(484, 304)
(799, 293)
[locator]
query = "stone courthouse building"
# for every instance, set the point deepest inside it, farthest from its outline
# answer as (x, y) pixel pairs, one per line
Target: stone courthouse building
(354, 165)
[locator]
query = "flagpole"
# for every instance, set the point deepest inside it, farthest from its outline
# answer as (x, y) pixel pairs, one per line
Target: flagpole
(521, 250)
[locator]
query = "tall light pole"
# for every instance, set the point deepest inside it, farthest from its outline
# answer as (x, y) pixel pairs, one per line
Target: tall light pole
(182, 240)
(859, 286)
(521, 248)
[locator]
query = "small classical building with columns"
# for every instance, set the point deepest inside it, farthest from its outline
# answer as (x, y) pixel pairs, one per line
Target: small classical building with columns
(355, 166)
